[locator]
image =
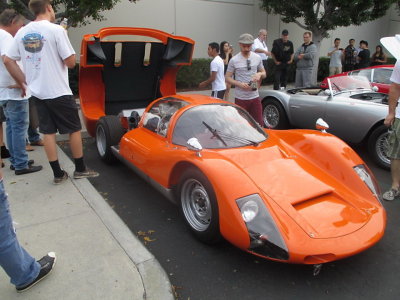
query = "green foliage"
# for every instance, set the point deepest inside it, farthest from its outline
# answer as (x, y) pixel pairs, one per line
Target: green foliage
(191, 76)
(78, 12)
(321, 16)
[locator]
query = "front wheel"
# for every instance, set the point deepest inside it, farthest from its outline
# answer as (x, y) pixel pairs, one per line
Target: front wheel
(109, 132)
(199, 206)
(378, 145)
(274, 115)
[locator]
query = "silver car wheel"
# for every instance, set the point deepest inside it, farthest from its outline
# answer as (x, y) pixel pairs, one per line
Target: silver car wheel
(196, 205)
(382, 146)
(101, 142)
(271, 116)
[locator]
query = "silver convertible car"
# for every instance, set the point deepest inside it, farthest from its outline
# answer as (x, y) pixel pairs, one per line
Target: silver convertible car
(353, 110)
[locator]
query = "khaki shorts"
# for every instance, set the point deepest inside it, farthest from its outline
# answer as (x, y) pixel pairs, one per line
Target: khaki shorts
(394, 140)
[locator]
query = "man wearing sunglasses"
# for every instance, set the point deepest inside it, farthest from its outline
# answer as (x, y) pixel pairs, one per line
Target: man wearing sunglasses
(248, 69)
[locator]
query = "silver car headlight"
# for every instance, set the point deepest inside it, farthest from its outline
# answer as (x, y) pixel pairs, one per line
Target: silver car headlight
(369, 180)
(265, 238)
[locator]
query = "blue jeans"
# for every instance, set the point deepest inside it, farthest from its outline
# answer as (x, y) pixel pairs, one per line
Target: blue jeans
(16, 262)
(17, 120)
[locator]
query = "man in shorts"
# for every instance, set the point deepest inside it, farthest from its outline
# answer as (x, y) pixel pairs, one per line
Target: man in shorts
(217, 78)
(249, 71)
(46, 54)
(393, 119)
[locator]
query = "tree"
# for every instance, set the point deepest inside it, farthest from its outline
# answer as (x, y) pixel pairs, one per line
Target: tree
(321, 16)
(78, 12)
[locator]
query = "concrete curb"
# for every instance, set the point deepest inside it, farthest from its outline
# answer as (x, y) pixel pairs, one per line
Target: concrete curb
(155, 281)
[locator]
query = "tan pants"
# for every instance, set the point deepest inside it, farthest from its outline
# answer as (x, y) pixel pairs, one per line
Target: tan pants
(335, 70)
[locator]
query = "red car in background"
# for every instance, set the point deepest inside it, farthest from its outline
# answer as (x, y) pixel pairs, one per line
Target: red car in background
(379, 76)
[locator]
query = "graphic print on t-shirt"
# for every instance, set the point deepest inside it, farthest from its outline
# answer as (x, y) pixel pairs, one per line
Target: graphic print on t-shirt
(33, 43)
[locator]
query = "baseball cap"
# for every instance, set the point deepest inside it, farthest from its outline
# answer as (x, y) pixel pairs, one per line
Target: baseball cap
(285, 32)
(246, 38)
(392, 44)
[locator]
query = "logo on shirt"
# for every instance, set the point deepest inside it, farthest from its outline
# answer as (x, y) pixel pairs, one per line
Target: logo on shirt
(33, 42)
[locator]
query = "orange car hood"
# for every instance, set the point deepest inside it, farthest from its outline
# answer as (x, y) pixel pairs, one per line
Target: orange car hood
(316, 206)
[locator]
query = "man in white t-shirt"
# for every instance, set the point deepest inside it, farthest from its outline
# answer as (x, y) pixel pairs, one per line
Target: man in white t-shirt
(336, 55)
(393, 118)
(46, 54)
(260, 47)
(15, 107)
(217, 77)
(249, 71)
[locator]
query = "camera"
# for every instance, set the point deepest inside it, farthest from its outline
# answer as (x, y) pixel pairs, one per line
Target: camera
(253, 85)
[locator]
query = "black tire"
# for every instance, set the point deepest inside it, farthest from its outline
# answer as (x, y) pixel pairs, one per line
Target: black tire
(109, 132)
(274, 115)
(378, 144)
(199, 206)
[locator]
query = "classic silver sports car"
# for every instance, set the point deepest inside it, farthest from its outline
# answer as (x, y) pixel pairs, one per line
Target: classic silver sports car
(351, 107)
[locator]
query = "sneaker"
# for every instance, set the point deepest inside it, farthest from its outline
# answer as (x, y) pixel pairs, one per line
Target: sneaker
(29, 169)
(46, 266)
(37, 143)
(4, 153)
(30, 163)
(59, 180)
(390, 194)
(88, 173)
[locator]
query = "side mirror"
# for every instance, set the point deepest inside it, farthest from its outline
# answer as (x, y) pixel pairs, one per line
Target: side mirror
(321, 125)
(375, 88)
(193, 144)
(327, 92)
(133, 120)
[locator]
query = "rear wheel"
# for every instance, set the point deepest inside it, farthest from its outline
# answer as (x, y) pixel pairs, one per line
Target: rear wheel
(274, 115)
(378, 144)
(109, 132)
(199, 206)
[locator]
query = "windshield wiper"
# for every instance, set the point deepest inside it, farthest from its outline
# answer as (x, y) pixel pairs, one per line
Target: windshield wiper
(215, 133)
(239, 139)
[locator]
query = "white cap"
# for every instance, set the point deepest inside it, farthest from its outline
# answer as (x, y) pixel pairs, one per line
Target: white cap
(392, 44)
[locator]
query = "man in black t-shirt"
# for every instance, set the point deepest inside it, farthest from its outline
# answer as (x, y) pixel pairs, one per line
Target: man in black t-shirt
(282, 53)
(363, 57)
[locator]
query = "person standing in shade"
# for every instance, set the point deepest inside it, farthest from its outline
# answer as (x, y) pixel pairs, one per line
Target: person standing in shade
(350, 56)
(15, 107)
(226, 53)
(248, 70)
(364, 55)
(336, 55)
(217, 78)
(379, 57)
(282, 53)
(304, 56)
(260, 47)
(46, 54)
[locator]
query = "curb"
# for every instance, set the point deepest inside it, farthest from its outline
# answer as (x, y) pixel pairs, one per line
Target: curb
(155, 280)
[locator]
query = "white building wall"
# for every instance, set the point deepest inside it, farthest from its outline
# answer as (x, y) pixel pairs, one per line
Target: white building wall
(207, 21)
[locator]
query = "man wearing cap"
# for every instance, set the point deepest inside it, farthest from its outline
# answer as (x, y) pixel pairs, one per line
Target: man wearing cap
(282, 53)
(249, 71)
(260, 47)
(304, 56)
(392, 44)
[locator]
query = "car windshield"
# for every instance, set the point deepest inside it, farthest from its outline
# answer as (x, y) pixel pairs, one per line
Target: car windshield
(218, 126)
(341, 84)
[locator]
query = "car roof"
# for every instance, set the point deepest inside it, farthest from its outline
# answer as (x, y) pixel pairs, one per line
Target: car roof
(197, 99)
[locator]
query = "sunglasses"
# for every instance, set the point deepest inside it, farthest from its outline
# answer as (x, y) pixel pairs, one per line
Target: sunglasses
(248, 65)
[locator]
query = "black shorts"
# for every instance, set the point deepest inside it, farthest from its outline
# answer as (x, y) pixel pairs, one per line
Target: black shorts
(218, 94)
(58, 114)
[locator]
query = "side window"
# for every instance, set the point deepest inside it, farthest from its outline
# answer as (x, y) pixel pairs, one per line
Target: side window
(157, 119)
(382, 76)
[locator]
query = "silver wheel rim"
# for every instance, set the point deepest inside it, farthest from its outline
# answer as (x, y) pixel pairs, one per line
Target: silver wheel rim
(271, 116)
(101, 140)
(196, 205)
(381, 148)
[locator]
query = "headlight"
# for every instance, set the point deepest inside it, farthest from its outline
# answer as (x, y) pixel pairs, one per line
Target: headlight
(369, 180)
(265, 238)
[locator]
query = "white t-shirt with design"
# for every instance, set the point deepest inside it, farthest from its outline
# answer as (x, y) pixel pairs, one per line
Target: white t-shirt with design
(42, 47)
(217, 65)
(260, 45)
(396, 79)
(6, 80)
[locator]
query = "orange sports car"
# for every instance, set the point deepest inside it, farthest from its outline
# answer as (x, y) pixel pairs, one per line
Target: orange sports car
(296, 196)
